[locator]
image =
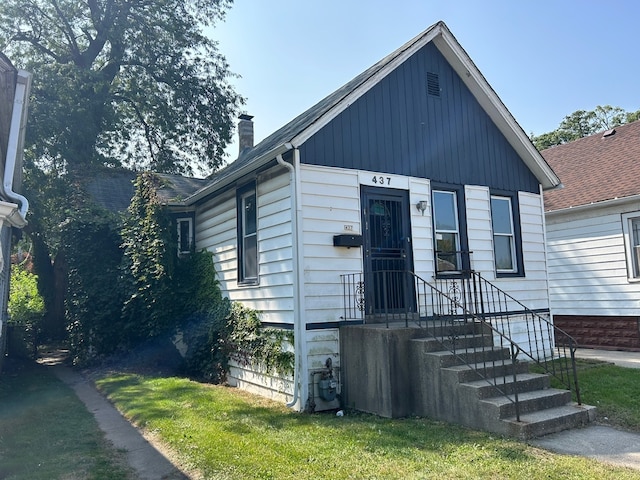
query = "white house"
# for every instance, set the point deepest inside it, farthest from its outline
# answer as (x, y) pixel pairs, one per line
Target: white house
(593, 238)
(415, 165)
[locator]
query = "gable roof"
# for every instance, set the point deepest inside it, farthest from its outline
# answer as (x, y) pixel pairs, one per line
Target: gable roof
(298, 130)
(596, 169)
(113, 189)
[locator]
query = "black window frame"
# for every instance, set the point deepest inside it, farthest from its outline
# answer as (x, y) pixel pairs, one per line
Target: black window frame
(517, 233)
(465, 254)
(241, 194)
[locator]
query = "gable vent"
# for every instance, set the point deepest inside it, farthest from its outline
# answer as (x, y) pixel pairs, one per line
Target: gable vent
(433, 84)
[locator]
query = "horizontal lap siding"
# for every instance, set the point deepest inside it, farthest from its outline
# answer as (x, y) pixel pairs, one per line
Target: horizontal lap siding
(587, 266)
(216, 230)
(330, 200)
(530, 290)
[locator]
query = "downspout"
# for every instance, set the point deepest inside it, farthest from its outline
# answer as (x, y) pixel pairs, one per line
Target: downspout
(16, 142)
(296, 225)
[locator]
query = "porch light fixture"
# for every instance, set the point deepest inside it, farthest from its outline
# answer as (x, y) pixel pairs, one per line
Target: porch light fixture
(422, 206)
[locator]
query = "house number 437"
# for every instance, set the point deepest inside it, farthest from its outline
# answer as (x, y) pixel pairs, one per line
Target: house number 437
(380, 180)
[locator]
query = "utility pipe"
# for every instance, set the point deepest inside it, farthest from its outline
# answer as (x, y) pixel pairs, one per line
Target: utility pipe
(16, 142)
(296, 234)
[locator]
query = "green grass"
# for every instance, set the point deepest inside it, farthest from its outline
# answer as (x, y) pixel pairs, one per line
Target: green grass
(614, 390)
(228, 434)
(47, 433)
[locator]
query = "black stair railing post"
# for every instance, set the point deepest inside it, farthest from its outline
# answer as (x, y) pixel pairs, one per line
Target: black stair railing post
(514, 355)
(575, 371)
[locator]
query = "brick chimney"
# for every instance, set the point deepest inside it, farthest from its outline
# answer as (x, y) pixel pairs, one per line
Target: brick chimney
(245, 132)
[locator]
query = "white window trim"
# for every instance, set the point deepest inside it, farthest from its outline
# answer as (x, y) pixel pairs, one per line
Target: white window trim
(627, 218)
(514, 259)
(179, 221)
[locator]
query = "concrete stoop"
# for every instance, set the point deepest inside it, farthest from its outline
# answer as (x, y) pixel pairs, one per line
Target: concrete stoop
(407, 374)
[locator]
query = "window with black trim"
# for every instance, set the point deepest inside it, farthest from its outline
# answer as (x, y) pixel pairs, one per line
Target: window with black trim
(447, 231)
(185, 235)
(247, 234)
(507, 242)
(504, 242)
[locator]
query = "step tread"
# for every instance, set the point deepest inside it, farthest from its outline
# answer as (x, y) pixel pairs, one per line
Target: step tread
(548, 414)
(525, 396)
(520, 377)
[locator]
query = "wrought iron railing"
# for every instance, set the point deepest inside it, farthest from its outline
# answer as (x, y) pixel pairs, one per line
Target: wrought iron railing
(468, 299)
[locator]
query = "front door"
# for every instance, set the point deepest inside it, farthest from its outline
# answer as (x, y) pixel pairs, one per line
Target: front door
(387, 251)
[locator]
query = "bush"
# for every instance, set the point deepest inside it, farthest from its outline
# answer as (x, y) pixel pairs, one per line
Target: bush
(26, 306)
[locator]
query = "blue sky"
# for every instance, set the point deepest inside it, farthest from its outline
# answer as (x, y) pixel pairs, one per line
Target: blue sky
(545, 59)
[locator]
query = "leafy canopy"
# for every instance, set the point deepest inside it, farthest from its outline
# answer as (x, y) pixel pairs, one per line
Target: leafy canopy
(131, 83)
(582, 123)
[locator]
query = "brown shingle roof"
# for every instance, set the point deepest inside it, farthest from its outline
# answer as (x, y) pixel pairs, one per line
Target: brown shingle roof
(596, 168)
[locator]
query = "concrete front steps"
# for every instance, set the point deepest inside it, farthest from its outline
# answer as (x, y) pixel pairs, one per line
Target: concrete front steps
(398, 372)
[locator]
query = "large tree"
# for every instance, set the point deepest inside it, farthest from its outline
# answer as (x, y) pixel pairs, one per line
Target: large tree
(583, 123)
(117, 83)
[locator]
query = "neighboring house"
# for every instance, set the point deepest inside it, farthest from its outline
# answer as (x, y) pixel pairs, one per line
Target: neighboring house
(15, 86)
(593, 238)
(413, 166)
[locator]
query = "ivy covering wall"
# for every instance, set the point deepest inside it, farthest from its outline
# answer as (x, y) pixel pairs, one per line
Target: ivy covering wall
(126, 284)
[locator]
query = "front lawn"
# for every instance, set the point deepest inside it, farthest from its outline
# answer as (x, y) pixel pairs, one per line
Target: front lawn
(229, 434)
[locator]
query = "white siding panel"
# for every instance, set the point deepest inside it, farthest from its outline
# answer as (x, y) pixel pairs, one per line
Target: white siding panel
(216, 230)
(478, 203)
(587, 265)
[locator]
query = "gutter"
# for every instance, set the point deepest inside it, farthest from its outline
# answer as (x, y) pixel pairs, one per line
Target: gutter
(600, 204)
(242, 171)
(296, 230)
(15, 148)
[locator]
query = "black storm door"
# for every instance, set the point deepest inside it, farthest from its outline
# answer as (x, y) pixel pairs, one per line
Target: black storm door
(387, 251)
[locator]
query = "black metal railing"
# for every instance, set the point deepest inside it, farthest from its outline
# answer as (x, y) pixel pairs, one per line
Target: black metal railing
(491, 320)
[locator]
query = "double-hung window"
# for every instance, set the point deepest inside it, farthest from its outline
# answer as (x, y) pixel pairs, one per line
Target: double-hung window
(247, 235)
(447, 231)
(631, 231)
(504, 241)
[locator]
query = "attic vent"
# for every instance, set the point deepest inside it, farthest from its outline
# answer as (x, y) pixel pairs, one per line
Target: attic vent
(608, 133)
(433, 84)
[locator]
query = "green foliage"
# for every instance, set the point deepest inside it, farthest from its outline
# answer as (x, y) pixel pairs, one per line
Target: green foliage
(250, 343)
(26, 306)
(93, 301)
(582, 123)
(120, 82)
(149, 263)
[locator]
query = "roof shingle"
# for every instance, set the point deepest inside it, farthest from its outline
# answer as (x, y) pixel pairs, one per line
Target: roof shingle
(596, 168)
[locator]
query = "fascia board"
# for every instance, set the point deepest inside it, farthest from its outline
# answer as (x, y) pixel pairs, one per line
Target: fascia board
(365, 86)
(236, 175)
(493, 106)
(633, 199)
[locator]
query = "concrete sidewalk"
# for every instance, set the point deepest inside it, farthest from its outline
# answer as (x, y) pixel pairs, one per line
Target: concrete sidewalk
(599, 442)
(143, 457)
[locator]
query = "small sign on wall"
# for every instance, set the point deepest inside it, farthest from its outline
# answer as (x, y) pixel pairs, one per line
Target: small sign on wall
(384, 180)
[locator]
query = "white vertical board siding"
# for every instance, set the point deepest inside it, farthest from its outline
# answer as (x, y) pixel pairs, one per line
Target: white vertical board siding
(216, 230)
(587, 264)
